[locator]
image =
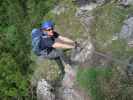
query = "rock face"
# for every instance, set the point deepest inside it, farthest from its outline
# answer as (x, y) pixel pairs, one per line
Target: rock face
(84, 53)
(127, 29)
(130, 69)
(44, 91)
(85, 16)
(67, 89)
(126, 2)
(101, 1)
(72, 94)
(83, 10)
(60, 9)
(84, 2)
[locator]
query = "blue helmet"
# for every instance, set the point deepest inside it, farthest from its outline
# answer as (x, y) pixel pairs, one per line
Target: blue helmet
(47, 24)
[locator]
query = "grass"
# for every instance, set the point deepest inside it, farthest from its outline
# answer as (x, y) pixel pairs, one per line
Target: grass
(105, 83)
(92, 78)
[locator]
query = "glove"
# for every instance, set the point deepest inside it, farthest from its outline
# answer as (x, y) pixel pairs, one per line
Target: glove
(77, 48)
(76, 44)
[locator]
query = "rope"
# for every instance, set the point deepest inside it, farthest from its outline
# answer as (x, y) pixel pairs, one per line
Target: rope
(113, 59)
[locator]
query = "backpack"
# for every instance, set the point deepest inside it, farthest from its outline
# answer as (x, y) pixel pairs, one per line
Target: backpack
(36, 38)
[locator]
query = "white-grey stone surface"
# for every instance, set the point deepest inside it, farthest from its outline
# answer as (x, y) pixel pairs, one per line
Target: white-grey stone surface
(44, 91)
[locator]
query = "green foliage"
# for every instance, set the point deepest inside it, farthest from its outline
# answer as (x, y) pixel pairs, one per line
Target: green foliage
(118, 48)
(12, 82)
(91, 80)
(47, 69)
(105, 84)
(37, 10)
(17, 19)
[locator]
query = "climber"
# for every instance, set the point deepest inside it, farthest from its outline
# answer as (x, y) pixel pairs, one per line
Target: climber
(46, 42)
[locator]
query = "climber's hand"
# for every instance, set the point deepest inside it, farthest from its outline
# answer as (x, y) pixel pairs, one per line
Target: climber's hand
(78, 47)
(76, 44)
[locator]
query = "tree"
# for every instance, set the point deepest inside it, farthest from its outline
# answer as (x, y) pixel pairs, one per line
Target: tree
(17, 19)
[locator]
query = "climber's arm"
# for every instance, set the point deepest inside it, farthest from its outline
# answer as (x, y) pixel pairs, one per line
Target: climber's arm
(65, 39)
(62, 45)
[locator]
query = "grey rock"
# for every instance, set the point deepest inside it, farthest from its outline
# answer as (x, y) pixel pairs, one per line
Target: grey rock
(69, 78)
(126, 2)
(85, 16)
(70, 94)
(101, 1)
(83, 55)
(60, 9)
(87, 22)
(44, 91)
(127, 29)
(84, 2)
(84, 10)
(65, 91)
(129, 69)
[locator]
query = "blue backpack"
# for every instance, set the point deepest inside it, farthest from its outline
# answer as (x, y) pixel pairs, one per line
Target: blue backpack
(36, 38)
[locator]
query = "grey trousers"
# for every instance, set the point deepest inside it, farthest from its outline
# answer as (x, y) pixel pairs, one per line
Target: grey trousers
(55, 53)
